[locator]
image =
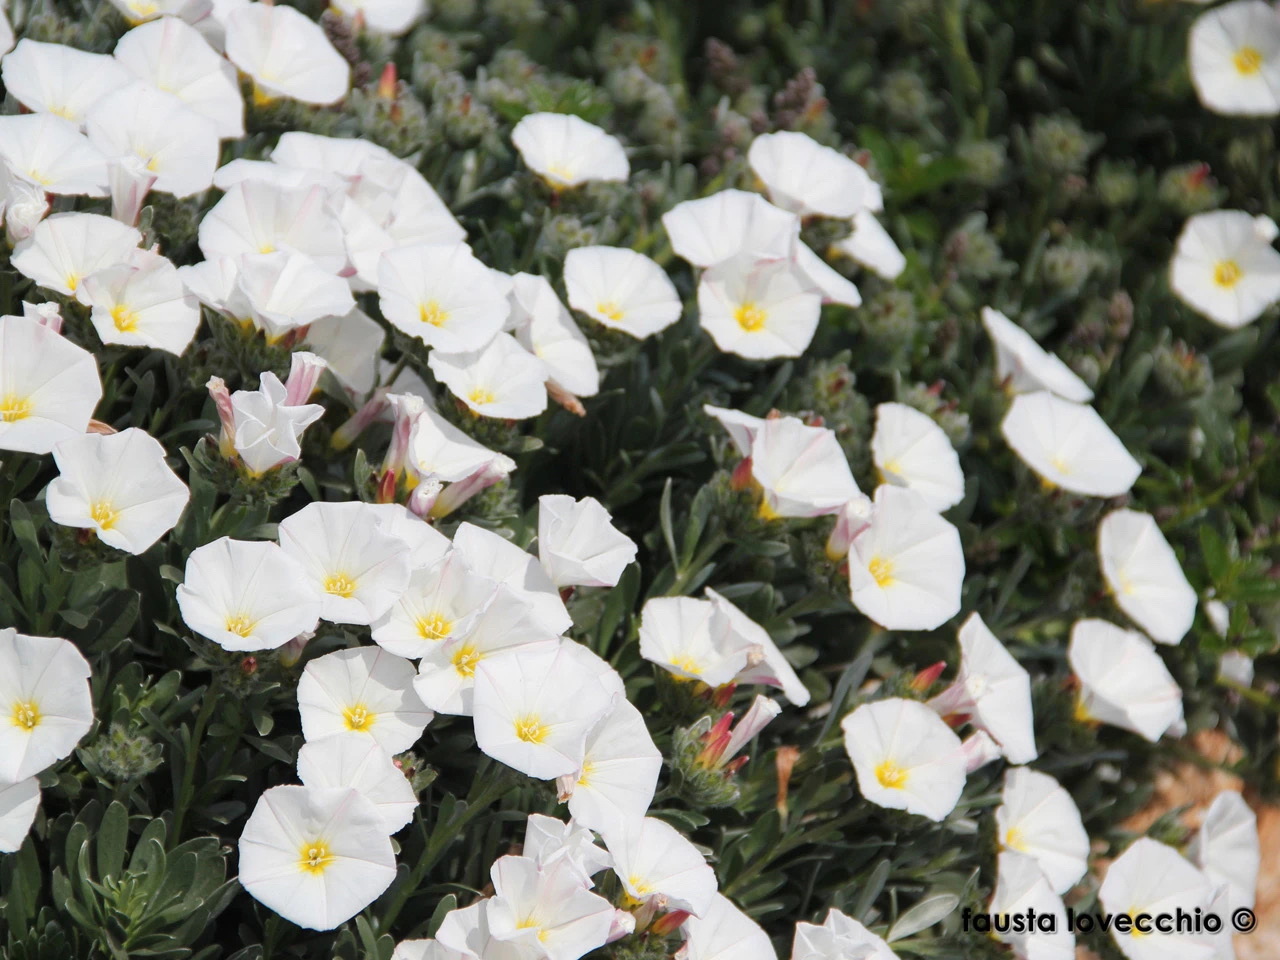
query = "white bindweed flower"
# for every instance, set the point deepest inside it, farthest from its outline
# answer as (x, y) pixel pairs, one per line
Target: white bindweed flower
(67, 247)
(621, 289)
(117, 485)
(818, 276)
(426, 950)
(1025, 366)
(286, 290)
(315, 855)
(534, 707)
(52, 153)
(741, 427)
(910, 450)
(172, 56)
(1234, 55)
(566, 151)
(1225, 268)
(905, 756)
(1038, 818)
(498, 559)
(424, 543)
(546, 329)
(246, 595)
(713, 229)
(1021, 890)
(870, 245)
(360, 569)
(765, 662)
(758, 309)
(1226, 847)
(1144, 576)
(267, 427)
(1123, 681)
(801, 470)
(442, 295)
(352, 760)
(550, 910)
(839, 938)
(906, 569)
(141, 11)
(45, 704)
(803, 176)
(655, 862)
(578, 545)
(1151, 878)
(993, 691)
(548, 841)
(351, 345)
(437, 450)
(467, 932)
(141, 303)
(392, 17)
(441, 603)
(257, 217)
(365, 690)
(724, 932)
(18, 805)
(53, 78)
(502, 380)
(1068, 445)
(691, 639)
(619, 771)
(23, 205)
(286, 55)
(48, 386)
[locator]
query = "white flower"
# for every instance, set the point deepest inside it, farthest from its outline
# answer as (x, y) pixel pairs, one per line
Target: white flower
(53, 78)
(286, 54)
(1038, 818)
(48, 386)
(443, 295)
(177, 144)
(566, 151)
(246, 595)
(821, 278)
(130, 181)
(656, 862)
(870, 245)
(765, 662)
(724, 932)
(534, 707)
(546, 329)
(22, 203)
(1123, 681)
(839, 938)
(911, 450)
(1144, 575)
(549, 909)
(691, 639)
(905, 756)
(500, 380)
(118, 486)
(1225, 268)
(362, 689)
(807, 178)
(44, 702)
(353, 760)
(1026, 366)
(621, 289)
(1021, 888)
(548, 841)
(67, 247)
(741, 427)
(391, 17)
(351, 345)
(907, 568)
(257, 217)
(1069, 445)
(140, 11)
(171, 55)
(493, 557)
(52, 153)
(315, 855)
(142, 302)
(442, 602)
(426, 950)
(1226, 847)
(1234, 54)
(424, 543)
(361, 569)
(578, 545)
(438, 450)
(286, 290)
(758, 309)
(18, 804)
(467, 932)
(801, 470)
(619, 770)
(713, 229)
(267, 427)
(1151, 878)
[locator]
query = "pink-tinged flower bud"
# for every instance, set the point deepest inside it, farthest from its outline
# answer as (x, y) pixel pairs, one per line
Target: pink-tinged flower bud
(26, 206)
(304, 373)
(217, 388)
(669, 923)
(456, 494)
(405, 410)
(373, 408)
(927, 677)
(291, 652)
(624, 924)
(386, 492)
(715, 741)
(853, 518)
(761, 714)
(423, 499)
(979, 750)
(387, 82)
(740, 479)
(49, 314)
(130, 182)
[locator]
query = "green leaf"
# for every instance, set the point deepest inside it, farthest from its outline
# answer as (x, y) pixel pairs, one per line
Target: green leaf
(112, 840)
(448, 903)
(923, 915)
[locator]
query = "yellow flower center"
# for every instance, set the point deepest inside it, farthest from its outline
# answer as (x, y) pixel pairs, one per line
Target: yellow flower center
(610, 310)
(40, 178)
(465, 660)
(531, 729)
(340, 585)
(881, 570)
(14, 408)
(1013, 840)
(639, 885)
(434, 626)
(1248, 60)
(1226, 273)
(314, 857)
(431, 312)
(1081, 713)
(891, 776)
(358, 717)
(766, 511)
(240, 625)
(686, 663)
(585, 776)
(1133, 916)
(26, 715)
(750, 317)
(1060, 463)
(480, 396)
(72, 281)
(562, 172)
(104, 515)
(267, 248)
(126, 320)
(260, 97)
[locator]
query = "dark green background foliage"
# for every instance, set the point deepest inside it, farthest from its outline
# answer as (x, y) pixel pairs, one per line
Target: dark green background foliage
(1038, 156)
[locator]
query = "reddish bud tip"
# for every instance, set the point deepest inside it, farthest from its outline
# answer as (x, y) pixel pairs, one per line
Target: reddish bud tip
(387, 82)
